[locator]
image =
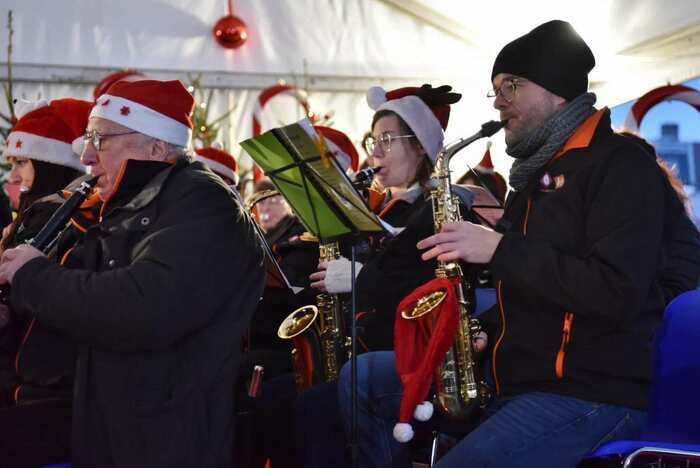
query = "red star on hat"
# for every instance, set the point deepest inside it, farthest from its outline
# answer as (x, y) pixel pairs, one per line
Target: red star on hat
(125, 110)
(18, 144)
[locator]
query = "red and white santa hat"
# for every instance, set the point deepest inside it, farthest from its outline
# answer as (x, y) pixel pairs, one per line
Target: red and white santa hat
(159, 109)
(219, 161)
(485, 166)
(340, 146)
(427, 122)
(109, 80)
(49, 131)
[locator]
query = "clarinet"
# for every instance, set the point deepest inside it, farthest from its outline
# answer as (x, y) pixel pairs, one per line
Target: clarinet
(54, 227)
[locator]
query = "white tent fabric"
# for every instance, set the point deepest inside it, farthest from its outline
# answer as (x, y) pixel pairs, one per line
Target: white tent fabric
(336, 49)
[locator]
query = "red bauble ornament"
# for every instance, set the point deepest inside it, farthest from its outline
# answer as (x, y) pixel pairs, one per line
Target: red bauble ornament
(230, 32)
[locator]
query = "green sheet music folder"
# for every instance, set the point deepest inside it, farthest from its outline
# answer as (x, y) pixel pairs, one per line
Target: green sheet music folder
(317, 189)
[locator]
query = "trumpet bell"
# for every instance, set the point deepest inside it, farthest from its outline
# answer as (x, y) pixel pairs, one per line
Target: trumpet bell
(297, 322)
(424, 305)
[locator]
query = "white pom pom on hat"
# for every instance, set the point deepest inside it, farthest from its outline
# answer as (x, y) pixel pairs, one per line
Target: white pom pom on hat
(424, 411)
(376, 96)
(403, 432)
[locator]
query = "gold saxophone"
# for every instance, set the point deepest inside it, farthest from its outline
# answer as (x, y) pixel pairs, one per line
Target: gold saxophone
(459, 391)
(318, 332)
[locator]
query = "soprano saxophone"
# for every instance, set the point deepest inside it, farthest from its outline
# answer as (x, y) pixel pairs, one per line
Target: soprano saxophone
(458, 389)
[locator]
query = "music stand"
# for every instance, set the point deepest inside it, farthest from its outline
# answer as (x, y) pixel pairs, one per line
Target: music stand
(296, 160)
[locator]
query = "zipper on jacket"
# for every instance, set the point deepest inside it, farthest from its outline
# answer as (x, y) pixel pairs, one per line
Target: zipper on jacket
(500, 338)
(28, 332)
(565, 337)
(502, 311)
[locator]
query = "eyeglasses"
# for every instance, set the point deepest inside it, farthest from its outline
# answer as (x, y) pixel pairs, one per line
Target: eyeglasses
(384, 140)
(95, 137)
(507, 89)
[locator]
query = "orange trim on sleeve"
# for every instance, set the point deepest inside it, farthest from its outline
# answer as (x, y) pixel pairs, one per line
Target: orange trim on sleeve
(78, 226)
(24, 340)
(65, 256)
(15, 395)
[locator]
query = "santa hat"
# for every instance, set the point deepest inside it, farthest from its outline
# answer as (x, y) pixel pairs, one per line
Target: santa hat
(159, 109)
(49, 131)
(420, 345)
(219, 161)
(485, 168)
(340, 146)
(428, 121)
(109, 80)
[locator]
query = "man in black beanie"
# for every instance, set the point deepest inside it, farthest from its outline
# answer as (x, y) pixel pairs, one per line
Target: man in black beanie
(575, 264)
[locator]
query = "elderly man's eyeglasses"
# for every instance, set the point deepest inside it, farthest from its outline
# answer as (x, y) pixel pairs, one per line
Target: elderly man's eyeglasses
(507, 89)
(96, 138)
(384, 141)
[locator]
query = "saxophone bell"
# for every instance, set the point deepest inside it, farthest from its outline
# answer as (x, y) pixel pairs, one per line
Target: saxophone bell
(318, 333)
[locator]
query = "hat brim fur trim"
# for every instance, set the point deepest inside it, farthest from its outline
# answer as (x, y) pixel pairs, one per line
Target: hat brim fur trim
(218, 168)
(42, 149)
(143, 119)
(422, 121)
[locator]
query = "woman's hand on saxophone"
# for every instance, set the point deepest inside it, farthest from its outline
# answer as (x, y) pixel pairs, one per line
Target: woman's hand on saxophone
(467, 241)
(318, 279)
(335, 276)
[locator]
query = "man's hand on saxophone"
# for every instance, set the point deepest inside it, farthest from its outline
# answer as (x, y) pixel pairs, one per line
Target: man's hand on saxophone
(466, 241)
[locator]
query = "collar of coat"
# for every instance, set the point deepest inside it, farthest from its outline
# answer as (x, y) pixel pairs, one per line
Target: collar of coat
(139, 182)
(583, 135)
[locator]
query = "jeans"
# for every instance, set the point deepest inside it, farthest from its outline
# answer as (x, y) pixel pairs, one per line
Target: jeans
(527, 430)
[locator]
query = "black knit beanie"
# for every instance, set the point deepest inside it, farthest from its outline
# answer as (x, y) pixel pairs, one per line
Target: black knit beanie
(552, 55)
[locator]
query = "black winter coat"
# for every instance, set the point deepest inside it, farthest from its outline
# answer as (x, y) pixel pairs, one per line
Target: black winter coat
(35, 361)
(169, 280)
(577, 274)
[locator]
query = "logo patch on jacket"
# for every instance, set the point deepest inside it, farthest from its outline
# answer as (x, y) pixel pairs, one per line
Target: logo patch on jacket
(550, 183)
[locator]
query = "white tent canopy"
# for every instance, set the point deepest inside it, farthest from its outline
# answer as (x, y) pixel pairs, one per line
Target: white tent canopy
(336, 49)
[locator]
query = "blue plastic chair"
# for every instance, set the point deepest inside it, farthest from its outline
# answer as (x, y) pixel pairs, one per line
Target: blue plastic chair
(673, 425)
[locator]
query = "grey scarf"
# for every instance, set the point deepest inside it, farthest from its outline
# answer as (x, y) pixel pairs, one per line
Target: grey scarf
(536, 149)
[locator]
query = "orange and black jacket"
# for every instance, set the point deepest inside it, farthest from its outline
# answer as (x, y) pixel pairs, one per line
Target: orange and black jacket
(577, 273)
(35, 361)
